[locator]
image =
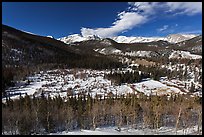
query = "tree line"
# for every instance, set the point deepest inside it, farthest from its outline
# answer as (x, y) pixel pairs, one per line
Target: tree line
(138, 74)
(39, 115)
(126, 77)
(11, 74)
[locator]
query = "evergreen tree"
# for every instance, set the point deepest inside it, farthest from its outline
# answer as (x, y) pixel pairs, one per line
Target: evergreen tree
(192, 88)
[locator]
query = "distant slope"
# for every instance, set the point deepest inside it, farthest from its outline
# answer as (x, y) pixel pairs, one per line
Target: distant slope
(156, 49)
(25, 53)
(176, 38)
(173, 38)
(193, 45)
(138, 46)
(20, 48)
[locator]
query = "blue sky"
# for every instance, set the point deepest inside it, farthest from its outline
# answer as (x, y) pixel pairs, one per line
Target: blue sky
(105, 19)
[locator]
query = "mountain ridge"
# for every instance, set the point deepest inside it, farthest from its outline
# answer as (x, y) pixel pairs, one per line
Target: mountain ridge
(172, 38)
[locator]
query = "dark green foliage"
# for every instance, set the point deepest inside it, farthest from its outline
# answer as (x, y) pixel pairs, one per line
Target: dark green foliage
(154, 72)
(127, 77)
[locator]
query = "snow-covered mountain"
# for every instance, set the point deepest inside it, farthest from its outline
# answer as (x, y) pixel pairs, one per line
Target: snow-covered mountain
(174, 54)
(77, 38)
(72, 38)
(193, 45)
(50, 36)
(124, 39)
(173, 38)
(184, 54)
(181, 45)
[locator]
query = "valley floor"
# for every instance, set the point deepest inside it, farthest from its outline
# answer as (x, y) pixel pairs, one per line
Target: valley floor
(71, 81)
(129, 131)
(132, 131)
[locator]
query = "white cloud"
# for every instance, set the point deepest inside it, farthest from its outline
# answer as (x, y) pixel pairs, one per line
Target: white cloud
(165, 27)
(140, 12)
(188, 8)
(145, 8)
(126, 21)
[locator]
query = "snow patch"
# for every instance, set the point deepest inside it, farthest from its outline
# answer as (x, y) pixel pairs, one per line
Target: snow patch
(183, 54)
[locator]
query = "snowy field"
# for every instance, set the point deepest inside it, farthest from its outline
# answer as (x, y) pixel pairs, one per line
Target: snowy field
(60, 82)
(128, 131)
(131, 131)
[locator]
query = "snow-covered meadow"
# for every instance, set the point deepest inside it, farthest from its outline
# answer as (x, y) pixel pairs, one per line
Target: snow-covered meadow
(65, 82)
(132, 131)
(128, 131)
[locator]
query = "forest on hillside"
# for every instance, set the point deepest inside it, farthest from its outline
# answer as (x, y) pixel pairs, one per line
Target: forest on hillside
(42, 115)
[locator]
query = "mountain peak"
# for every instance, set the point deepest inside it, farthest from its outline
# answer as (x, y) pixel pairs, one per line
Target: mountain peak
(176, 38)
(93, 37)
(172, 38)
(50, 37)
(78, 38)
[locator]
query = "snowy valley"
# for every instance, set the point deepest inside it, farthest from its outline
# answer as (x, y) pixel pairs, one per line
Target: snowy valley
(119, 85)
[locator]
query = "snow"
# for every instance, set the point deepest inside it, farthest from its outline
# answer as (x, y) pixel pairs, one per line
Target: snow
(139, 53)
(174, 54)
(152, 87)
(50, 37)
(113, 130)
(29, 90)
(77, 38)
(28, 32)
(116, 51)
(151, 84)
(108, 51)
(173, 38)
(176, 38)
(131, 131)
(57, 82)
(72, 38)
(184, 54)
(16, 51)
(189, 35)
(124, 39)
(197, 48)
(106, 42)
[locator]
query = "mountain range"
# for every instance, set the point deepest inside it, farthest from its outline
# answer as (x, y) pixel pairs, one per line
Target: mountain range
(172, 38)
(25, 53)
(19, 47)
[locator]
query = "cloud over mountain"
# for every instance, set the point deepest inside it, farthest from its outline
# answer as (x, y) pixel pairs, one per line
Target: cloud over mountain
(127, 20)
(139, 13)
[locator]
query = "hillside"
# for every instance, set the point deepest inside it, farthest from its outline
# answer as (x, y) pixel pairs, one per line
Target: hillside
(97, 83)
(24, 53)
